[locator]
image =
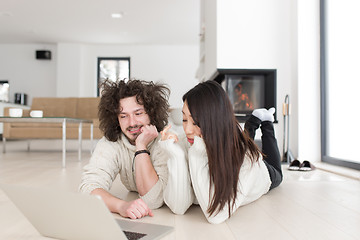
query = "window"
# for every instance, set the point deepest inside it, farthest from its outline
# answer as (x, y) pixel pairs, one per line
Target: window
(339, 76)
(4, 91)
(112, 69)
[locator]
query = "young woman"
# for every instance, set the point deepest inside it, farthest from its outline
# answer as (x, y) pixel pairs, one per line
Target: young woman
(216, 164)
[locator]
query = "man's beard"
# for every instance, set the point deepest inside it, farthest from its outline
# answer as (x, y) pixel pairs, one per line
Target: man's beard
(134, 135)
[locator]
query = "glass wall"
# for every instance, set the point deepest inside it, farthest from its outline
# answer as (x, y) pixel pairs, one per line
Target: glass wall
(340, 77)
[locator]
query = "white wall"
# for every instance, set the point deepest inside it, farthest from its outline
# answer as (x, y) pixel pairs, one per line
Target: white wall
(308, 84)
(210, 22)
(72, 72)
(277, 34)
(259, 34)
(69, 70)
(174, 65)
(27, 74)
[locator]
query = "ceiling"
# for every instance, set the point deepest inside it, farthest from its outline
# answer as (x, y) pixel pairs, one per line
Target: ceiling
(90, 22)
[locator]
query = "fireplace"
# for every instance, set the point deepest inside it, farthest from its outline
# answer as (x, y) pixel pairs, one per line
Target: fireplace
(248, 89)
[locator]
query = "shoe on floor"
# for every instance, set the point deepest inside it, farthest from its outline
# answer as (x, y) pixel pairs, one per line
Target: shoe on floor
(294, 165)
(306, 166)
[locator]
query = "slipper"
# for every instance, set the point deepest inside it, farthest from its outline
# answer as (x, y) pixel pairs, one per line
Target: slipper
(294, 165)
(306, 166)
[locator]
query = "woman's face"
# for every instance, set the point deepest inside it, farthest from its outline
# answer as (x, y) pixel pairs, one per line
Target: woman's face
(190, 128)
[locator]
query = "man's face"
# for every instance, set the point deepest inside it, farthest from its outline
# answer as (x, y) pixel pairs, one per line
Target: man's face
(132, 117)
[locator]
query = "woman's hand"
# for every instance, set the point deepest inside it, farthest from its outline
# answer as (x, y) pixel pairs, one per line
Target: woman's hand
(165, 135)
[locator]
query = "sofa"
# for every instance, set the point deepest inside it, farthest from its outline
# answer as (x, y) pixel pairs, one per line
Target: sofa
(85, 108)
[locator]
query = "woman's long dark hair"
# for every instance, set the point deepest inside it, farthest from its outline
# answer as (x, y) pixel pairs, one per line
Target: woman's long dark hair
(226, 143)
(154, 98)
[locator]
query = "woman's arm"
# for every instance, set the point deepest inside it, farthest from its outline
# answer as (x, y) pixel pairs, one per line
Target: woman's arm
(178, 194)
(199, 170)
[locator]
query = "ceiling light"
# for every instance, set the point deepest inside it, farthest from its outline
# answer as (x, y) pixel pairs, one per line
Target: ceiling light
(117, 15)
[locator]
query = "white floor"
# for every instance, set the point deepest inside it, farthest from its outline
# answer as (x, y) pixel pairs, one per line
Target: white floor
(307, 205)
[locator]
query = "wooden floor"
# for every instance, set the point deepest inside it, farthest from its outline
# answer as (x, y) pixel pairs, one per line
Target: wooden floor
(307, 205)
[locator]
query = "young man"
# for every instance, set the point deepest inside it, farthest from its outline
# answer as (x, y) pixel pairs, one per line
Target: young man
(131, 115)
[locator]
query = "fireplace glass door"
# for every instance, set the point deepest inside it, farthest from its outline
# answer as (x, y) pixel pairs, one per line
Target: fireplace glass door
(244, 92)
(248, 89)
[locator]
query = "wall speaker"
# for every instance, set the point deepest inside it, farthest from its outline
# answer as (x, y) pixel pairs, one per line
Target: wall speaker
(43, 54)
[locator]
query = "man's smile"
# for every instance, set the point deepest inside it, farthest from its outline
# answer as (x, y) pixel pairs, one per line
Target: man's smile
(134, 130)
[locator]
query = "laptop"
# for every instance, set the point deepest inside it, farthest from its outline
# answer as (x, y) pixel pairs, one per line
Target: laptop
(76, 216)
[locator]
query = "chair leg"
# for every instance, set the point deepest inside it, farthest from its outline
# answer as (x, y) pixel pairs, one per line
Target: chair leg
(28, 145)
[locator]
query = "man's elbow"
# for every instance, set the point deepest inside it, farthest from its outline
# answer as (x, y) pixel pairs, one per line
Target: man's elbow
(154, 204)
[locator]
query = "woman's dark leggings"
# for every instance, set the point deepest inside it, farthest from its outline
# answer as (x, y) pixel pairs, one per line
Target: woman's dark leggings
(269, 148)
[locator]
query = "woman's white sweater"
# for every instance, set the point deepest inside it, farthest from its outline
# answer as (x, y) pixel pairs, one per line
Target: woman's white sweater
(189, 179)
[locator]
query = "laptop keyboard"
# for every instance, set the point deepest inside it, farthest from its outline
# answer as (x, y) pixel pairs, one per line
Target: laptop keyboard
(134, 235)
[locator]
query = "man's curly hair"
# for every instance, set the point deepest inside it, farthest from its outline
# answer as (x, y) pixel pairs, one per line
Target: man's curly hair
(154, 98)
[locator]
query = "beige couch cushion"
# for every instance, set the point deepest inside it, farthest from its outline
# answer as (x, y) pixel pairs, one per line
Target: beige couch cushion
(56, 107)
(86, 108)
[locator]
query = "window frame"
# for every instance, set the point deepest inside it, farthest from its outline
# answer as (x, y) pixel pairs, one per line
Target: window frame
(99, 59)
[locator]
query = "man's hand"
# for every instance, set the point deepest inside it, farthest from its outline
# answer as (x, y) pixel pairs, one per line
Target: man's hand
(135, 209)
(165, 135)
(148, 133)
